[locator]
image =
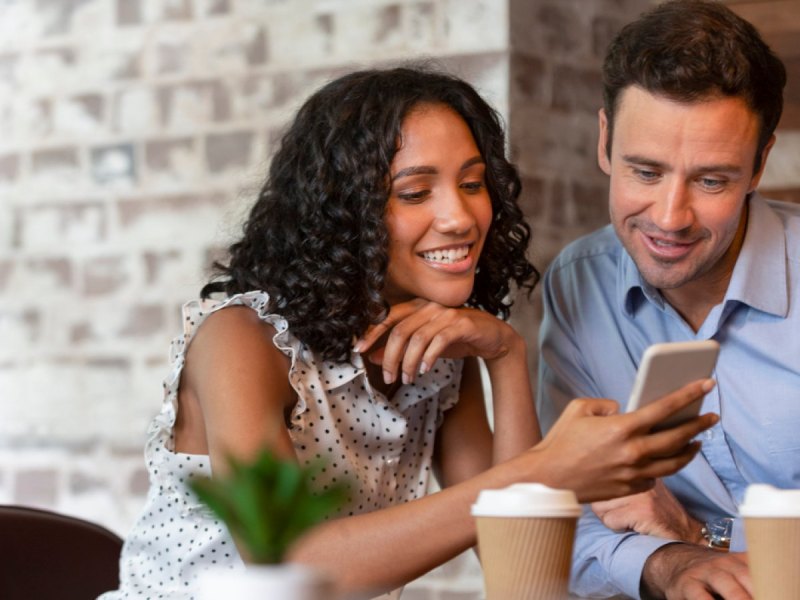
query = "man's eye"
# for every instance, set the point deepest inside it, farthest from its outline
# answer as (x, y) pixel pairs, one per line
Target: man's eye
(712, 184)
(646, 175)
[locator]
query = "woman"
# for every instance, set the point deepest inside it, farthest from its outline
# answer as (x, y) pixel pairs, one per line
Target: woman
(369, 280)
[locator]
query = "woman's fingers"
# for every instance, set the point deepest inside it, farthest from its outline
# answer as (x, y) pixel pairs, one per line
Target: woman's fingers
(406, 341)
(397, 313)
(667, 442)
(416, 333)
(597, 407)
(656, 412)
(663, 466)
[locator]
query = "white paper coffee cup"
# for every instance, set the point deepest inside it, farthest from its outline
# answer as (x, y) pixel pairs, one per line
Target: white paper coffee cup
(772, 528)
(525, 538)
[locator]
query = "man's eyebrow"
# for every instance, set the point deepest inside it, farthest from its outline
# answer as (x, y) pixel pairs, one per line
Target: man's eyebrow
(429, 170)
(635, 159)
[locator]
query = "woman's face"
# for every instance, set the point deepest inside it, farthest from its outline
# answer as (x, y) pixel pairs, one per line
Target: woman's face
(439, 210)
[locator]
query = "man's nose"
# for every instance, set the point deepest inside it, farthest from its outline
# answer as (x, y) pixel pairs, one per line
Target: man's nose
(673, 211)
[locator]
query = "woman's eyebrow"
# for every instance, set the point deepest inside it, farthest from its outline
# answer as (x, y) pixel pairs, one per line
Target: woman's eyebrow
(475, 160)
(430, 170)
(416, 170)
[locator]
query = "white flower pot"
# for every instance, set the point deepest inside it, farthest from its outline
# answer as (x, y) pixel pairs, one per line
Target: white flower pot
(265, 582)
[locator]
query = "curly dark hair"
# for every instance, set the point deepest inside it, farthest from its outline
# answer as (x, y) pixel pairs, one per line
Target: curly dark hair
(689, 50)
(316, 238)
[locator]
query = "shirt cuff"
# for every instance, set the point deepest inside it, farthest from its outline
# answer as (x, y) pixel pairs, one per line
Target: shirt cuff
(738, 540)
(628, 561)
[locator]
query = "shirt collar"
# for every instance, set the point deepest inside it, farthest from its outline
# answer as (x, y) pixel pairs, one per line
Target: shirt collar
(759, 278)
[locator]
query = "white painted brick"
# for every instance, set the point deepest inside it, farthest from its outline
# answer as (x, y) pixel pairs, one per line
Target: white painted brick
(476, 24)
(59, 225)
(92, 16)
(135, 111)
(20, 327)
(364, 28)
(191, 219)
(212, 7)
(106, 57)
(76, 116)
(187, 105)
(228, 46)
(161, 10)
(303, 37)
(6, 226)
(19, 24)
(24, 118)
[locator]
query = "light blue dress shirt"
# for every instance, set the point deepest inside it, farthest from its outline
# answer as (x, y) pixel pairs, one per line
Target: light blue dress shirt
(600, 316)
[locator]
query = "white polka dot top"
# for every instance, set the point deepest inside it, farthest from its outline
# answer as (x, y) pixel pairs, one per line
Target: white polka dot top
(383, 447)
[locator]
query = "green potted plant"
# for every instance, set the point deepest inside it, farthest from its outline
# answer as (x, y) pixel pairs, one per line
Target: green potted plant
(267, 504)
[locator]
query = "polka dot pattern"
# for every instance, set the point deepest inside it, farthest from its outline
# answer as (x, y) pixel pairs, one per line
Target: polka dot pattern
(382, 446)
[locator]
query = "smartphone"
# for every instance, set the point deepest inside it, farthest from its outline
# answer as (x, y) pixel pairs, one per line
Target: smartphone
(667, 367)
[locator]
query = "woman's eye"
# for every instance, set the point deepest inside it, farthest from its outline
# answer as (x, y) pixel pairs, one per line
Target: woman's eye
(413, 195)
(473, 187)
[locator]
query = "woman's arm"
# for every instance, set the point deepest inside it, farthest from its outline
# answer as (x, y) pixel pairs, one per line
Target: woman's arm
(465, 445)
(234, 390)
(239, 380)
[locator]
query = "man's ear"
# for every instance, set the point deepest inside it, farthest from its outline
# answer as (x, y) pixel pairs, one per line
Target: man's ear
(602, 142)
(764, 154)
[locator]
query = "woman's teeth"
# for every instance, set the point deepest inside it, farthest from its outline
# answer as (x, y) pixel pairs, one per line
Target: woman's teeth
(448, 256)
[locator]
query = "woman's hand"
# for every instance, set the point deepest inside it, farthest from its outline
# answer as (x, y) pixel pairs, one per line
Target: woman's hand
(601, 454)
(418, 332)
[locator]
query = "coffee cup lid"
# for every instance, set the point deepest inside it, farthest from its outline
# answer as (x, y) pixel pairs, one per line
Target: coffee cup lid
(762, 500)
(526, 500)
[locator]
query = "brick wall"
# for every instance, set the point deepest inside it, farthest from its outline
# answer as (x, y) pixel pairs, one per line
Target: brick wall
(133, 134)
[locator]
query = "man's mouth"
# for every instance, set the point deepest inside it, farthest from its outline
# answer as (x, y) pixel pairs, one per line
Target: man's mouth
(667, 249)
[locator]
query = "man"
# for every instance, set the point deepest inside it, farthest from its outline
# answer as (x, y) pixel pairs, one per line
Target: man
(692, 96)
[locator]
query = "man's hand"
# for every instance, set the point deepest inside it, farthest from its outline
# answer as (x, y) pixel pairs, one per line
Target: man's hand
(654, 512)
(689, 572)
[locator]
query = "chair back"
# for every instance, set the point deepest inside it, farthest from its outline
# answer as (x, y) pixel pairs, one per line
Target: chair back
(49, 556)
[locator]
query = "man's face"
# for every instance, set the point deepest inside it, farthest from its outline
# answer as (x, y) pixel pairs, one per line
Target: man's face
(680, 173)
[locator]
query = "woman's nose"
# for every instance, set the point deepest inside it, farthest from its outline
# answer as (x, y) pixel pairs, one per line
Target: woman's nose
(453, 214)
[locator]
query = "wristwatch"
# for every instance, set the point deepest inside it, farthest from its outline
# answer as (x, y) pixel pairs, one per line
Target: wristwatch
(717, 533)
